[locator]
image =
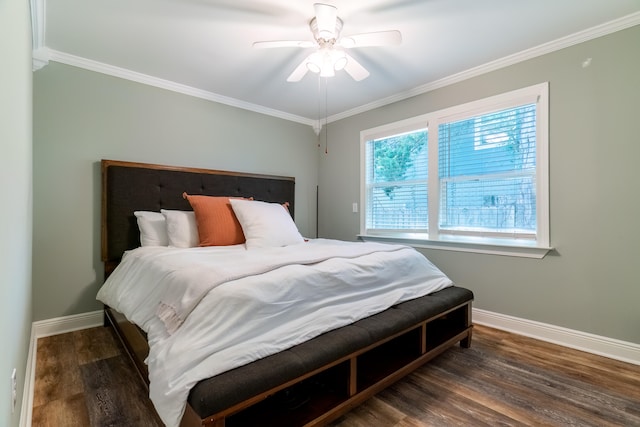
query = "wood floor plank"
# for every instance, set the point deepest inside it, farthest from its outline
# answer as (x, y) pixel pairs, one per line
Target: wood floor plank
(111, 386)
(95, 344)
(67, 412)
(409, 422)
(57, 371)
(374, 412)
(430, 403)
(567, 361)
(84, 378)
(504, 390)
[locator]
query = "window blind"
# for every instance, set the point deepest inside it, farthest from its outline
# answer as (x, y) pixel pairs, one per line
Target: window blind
(487, 173)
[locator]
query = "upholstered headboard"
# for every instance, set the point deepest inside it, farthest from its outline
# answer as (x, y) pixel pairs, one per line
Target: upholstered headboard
(128, 187)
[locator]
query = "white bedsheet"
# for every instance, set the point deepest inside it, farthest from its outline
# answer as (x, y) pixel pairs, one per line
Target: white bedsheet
(229, 323)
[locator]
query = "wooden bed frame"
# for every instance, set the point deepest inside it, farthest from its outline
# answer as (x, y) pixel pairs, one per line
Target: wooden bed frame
(400, 339)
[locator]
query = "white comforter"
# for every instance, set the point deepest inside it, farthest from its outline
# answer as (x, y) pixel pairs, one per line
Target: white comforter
(208, 310)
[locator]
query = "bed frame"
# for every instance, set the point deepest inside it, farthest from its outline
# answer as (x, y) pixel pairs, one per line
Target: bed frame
(310, 384)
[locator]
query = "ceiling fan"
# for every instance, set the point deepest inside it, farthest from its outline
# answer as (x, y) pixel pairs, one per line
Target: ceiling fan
(330, 54)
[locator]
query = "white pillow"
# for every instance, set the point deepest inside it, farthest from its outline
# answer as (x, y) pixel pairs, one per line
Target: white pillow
(182, 230)
(153, 228)
(265, 224)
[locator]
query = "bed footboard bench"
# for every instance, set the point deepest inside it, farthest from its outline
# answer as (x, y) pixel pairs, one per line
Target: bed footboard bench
(317, 381)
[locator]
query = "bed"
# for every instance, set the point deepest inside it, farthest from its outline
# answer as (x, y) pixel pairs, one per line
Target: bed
(310, 379)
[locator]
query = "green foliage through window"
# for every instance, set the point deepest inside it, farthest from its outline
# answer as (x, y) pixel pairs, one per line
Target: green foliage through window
(395, 157)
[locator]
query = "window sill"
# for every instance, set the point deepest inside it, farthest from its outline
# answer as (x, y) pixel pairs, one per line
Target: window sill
(506, 247)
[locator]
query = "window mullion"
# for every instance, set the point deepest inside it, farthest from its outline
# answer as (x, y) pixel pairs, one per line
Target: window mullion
(433, 188)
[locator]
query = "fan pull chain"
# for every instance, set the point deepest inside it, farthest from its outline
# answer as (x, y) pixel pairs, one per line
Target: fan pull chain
(319, 110)
(326, 116)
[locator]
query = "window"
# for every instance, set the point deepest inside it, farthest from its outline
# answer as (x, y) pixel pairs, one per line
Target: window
(472, 177)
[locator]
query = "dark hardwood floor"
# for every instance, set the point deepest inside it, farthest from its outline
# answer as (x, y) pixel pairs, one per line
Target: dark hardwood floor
(83, 378)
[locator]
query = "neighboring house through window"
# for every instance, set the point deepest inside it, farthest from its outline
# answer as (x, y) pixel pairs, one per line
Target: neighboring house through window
(473, 177)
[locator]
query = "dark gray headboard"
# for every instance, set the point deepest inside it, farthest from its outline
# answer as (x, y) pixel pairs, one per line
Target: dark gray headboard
(128, 187)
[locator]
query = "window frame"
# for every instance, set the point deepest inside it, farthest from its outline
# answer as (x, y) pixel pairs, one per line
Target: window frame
(514, 246)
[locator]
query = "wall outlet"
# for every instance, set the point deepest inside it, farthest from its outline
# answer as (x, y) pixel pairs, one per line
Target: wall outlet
(354, 207)
(14, 390)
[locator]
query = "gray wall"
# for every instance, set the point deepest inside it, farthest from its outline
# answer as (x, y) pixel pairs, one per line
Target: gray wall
(590, 282)
(15, 193)
(81, 117)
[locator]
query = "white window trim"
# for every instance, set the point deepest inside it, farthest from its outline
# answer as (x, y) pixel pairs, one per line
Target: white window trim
(538, 94)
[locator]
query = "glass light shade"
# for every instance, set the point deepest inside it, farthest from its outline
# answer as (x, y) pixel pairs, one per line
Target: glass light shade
(314, 64)
(327, 61)
(339, 59)
(313, 67)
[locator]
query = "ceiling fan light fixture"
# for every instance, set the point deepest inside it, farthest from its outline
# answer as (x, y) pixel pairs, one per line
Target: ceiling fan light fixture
(313, 67)
(339, 59)
(314, 62)
(331, 49)
(326, 62)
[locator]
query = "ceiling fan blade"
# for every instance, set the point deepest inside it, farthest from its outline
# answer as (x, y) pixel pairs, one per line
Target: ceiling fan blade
(299, 72)
(326, 18)
(283, 43)
(355, 69)
(379, 38)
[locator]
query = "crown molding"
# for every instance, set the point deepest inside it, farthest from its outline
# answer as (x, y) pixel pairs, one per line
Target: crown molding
(123, 73)
(42, 55)
(543, 49)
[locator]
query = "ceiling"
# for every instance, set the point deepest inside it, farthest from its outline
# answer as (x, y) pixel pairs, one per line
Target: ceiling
(204, 47)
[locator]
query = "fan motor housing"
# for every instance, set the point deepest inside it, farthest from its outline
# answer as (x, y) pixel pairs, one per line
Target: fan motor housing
(313, 25)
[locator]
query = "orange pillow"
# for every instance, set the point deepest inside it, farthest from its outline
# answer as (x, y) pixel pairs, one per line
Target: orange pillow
(217, 224)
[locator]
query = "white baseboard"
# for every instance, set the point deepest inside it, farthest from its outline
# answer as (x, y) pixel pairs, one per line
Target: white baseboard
(61, 325)
(29, 379)
(590, 343)
(45, 328)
